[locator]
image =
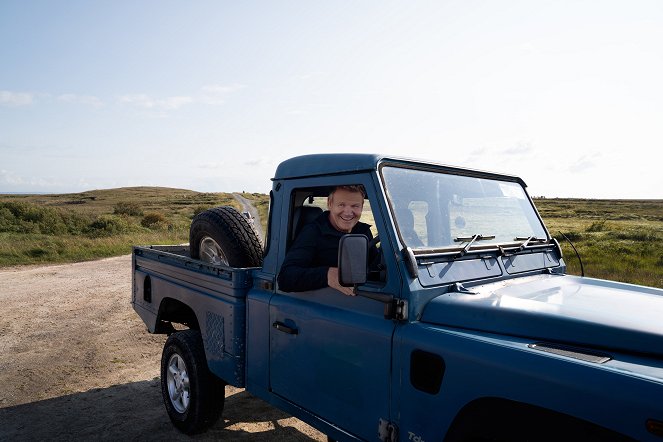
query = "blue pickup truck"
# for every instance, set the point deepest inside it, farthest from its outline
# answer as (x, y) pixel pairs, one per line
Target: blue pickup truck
(469, 328)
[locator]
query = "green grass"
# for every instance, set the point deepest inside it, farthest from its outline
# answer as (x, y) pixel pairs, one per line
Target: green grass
(620, 240)
(59, 228)
(617, 239)
(44, 249)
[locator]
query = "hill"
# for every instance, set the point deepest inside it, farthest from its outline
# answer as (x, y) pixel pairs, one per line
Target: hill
(99, 223)
(617, 239)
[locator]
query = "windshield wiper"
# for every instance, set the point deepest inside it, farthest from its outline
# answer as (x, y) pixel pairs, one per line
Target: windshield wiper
(470, 240)
(527, 240)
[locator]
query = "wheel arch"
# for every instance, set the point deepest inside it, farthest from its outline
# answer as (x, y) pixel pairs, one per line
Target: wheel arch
(173, 310)
(494, 418)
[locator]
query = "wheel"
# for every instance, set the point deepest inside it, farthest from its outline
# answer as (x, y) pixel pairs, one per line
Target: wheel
(193, 396)
(223, 236)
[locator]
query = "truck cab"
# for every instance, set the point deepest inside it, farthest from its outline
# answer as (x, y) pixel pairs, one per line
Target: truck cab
(469, 328)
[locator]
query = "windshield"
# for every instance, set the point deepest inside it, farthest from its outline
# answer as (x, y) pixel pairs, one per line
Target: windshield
(439, 210)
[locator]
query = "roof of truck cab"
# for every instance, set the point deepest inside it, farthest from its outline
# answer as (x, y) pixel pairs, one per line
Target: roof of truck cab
(343, 163)
(326, 164)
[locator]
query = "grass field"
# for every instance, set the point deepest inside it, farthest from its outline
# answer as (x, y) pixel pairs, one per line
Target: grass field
(617, 239)
(99, 223)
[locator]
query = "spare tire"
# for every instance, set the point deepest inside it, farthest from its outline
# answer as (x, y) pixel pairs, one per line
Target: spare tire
(223, 236)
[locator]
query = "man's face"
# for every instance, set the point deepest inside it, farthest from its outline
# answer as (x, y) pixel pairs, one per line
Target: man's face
(345, 209)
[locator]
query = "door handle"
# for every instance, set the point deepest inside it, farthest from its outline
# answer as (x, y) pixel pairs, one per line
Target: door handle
(284, 328)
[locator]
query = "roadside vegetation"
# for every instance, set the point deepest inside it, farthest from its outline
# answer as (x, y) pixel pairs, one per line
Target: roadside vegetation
(617, 239)
(38, 229)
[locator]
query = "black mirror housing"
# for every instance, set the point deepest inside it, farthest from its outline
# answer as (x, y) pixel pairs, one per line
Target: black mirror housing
(352, 260)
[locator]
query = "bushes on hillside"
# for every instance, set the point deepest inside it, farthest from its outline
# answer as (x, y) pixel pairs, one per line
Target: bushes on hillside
(20, 217)
(154, 221)
(126, 208)
(28, 218)
(108, 225)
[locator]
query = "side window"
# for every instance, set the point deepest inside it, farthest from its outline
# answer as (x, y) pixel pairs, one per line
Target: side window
(308, 204)
(366, 214)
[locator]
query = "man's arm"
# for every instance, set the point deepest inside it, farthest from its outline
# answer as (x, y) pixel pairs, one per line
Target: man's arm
(332, 281)
(296, 273)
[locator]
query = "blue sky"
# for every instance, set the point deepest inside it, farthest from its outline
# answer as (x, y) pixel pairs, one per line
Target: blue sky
(212, 95)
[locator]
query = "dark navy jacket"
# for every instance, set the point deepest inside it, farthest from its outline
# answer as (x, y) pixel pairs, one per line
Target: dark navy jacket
(314, 251)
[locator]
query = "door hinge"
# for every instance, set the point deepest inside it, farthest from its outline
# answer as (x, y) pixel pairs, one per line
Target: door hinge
(387, 432)
(396, 309)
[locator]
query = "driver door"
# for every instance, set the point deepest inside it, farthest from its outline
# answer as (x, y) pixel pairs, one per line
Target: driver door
(331, 355)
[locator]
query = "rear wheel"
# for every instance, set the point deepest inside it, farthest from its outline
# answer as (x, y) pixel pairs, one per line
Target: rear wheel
(193, 396)
(223, 236)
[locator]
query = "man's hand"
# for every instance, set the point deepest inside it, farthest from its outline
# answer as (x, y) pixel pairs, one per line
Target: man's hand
(332, 281)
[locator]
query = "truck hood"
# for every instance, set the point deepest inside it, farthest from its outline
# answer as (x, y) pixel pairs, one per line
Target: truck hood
(559, 308)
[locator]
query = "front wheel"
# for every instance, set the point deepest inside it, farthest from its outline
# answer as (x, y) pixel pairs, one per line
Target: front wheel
(193, 396)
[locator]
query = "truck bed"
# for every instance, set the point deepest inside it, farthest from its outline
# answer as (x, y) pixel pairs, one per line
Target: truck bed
(171, 287)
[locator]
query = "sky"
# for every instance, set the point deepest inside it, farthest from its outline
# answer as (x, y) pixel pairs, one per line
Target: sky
(212, 95)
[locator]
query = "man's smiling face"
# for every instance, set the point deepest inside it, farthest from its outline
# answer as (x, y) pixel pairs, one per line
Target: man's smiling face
(345, 209)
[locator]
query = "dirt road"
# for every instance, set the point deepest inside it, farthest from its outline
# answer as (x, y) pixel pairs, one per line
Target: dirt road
(77, 364)
(248, 207)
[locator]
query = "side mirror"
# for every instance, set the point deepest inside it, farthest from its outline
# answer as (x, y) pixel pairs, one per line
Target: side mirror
(352, 260)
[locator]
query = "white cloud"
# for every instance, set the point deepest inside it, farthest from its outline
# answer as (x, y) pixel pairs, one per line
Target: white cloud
(213, 94)
(89, 100)
(211, 165)
(584, 163)
(10, 178)
(10, 98)
(296, 112)
(259, 161)
(159, 104)
(11, 181)
(216, 94)
(518, 150)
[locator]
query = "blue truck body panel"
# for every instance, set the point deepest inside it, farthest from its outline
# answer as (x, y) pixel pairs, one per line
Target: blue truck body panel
(568, 309)
(482, 334)
(483, 365)
(216, 295)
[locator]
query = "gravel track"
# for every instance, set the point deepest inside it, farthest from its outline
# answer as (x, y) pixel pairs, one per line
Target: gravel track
(76, 363)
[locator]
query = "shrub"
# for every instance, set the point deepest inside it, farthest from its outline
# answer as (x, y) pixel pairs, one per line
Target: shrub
(154, 221)
(7, 220)
(108, 225)
(643, 235)
(126, 208)
(23, 217)
(597, 226)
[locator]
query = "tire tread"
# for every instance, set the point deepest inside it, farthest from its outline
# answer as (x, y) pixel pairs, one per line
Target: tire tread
(240, 241)
(208, 395)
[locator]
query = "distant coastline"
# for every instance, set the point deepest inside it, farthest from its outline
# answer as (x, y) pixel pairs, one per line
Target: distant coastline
(28, 193)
